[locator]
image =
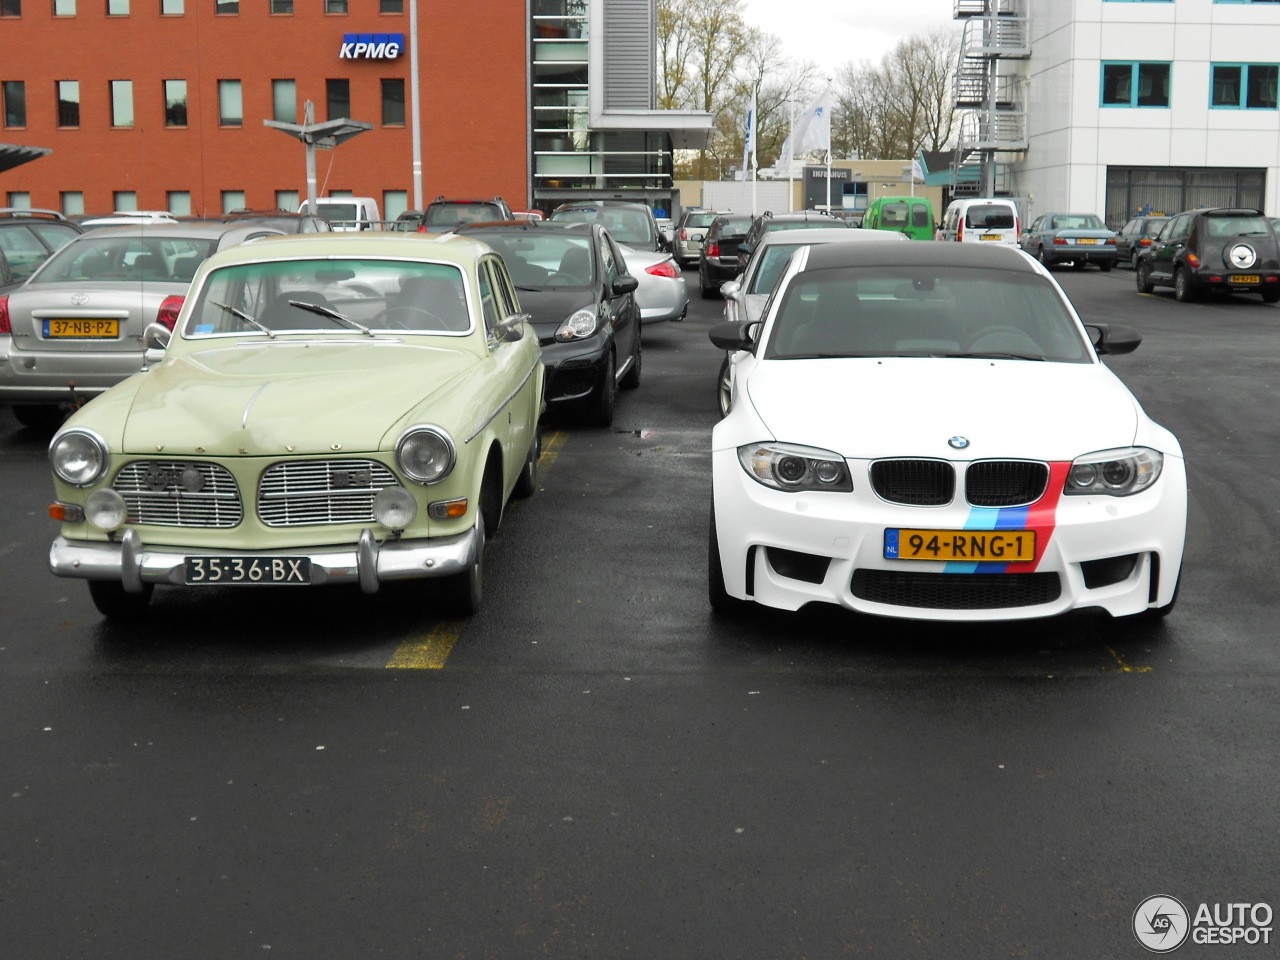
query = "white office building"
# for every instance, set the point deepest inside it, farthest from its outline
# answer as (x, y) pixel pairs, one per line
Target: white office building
(1120, 106)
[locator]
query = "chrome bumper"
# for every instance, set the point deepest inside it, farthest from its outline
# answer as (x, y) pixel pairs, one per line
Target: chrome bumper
(368, 562)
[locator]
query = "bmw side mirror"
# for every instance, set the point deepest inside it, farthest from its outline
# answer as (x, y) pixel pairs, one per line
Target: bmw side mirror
(1113, 339)
(731, 335)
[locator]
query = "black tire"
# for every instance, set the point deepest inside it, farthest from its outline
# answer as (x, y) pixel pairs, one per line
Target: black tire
(600, 403)
(719, 598)
(1077, 264)
(527, 483)
(631, 379)
(1106, 265)
(723, 392)
(1041, 257)
(462, 593)
(1156, 614)
(708, 293)
(1183, 287)
(38, 416)
(1271, 296)
(1143, 277)
(1133, 260)
(112, 601)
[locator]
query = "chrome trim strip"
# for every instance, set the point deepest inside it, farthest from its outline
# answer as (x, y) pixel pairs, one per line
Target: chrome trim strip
(503, 405)
(244, 419)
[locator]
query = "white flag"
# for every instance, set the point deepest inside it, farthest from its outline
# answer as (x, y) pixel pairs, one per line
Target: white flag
(813, 128)
(749, 144)
(917, 171)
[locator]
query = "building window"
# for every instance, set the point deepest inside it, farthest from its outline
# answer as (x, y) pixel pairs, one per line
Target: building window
(282, 6)
(284, 100)
(1135, 84)
(1248, 86)
(178, 202)
(15, 103)
(19, 200)
(335, 6)
(10, 8)
(64, 8)
(68, 103)
(226, 6)
(391, 6)
(393, 103)
(122, 103)
(230, 104)
(172, 8)
(71, 202)
(338, 95)
(233, 200)
(287, 200)
(175, 103)
(394, 203)
(124, 201)
(117, 8)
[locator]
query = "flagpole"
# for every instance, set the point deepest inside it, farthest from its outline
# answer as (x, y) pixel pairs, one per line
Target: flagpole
(828, 157)
(789, 152)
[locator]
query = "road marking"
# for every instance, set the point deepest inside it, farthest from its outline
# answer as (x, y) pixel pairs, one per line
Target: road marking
(430, 651)
(1124, 666)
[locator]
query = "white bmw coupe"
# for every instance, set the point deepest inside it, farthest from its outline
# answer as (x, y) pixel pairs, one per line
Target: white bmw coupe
(925, 430)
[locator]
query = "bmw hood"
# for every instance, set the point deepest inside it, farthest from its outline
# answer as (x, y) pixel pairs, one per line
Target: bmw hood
(301, 397)
(913, 407)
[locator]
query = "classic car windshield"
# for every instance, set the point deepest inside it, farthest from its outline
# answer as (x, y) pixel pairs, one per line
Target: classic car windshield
(923, 311)
(537, 260)
(127, 259)
(332, 296)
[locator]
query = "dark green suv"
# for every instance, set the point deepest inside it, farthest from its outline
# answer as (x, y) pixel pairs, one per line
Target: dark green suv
(27, 238)
(1213, 250)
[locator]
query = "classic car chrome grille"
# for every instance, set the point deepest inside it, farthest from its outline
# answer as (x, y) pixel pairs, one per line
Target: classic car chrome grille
(921, 483)
(1005, 483)
(179, 493)
(956, 591)
(300, 493)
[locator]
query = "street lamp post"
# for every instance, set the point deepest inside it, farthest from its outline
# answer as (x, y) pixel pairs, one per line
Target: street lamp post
(324, 136)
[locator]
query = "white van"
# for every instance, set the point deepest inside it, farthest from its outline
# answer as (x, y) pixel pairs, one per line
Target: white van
(348, 214)
(991, 220)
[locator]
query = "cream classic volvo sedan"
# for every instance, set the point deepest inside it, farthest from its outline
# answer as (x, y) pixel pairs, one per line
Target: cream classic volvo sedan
(340, 408)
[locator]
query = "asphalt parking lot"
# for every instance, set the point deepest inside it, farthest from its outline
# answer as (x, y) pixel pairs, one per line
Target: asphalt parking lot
(595, 766)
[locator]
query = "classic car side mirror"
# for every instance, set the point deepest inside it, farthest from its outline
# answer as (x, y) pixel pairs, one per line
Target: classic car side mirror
(625, 283)
(1112, 339)
(155, 340)
(511, 329)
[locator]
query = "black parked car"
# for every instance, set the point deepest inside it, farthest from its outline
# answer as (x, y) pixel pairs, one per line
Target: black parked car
(571, 279)
(768, 222)
(631, 224)
(1135, 236)
(718, 259)
(443, 213)
(1213, 249)
(27, 238)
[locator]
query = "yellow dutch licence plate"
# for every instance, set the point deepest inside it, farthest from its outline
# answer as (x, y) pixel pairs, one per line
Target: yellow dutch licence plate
(990, 236)
(1246, 278)
(82, 329)
(999, 546)
(1089, 240)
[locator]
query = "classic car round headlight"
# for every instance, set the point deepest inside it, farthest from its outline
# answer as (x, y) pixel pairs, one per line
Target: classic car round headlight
(394, 507)
(79, 457)
(425, 454)
(106, 510)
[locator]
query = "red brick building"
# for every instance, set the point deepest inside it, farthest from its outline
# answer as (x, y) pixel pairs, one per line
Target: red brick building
(140, 106)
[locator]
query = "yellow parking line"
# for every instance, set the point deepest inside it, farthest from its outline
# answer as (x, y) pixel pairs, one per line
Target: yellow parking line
(1124, 667)
(430, 651)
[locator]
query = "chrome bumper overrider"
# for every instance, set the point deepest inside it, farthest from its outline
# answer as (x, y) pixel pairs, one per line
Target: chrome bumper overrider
(367, 562)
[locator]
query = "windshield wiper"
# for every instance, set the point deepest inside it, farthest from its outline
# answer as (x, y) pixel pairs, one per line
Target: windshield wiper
(331, 314)
(988, 355)
(241, 315)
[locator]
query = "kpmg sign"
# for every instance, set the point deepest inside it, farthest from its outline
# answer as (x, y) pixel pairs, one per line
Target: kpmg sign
(371, 46)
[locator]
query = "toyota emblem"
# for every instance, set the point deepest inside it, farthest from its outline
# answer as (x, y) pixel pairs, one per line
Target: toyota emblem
(958, 443)
(1242, 256)
(79, 298)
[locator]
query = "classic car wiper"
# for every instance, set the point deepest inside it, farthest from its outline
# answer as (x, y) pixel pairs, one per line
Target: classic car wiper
(241, 315)
(331, 314)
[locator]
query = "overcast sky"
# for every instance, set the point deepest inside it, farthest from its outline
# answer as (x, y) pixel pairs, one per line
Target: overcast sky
(833, 32)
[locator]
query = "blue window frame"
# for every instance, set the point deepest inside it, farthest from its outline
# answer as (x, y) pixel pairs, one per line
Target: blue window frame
(1135, 84)
(1243, 86)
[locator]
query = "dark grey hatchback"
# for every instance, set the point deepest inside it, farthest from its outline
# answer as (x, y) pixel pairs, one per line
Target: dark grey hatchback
(1213, 250)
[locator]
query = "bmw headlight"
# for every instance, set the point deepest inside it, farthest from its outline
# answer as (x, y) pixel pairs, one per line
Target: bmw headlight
(1114, 473)
(425, 454)
(79, 457)
(580, 325)
(785, 466)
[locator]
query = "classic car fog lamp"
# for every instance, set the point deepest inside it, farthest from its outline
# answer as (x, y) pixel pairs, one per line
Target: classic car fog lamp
(448, 509)
(394, 507)
(425, 454)
(106, 510)
(79, 457)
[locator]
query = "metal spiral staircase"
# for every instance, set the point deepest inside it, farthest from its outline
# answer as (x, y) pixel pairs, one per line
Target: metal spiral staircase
(993, 120)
